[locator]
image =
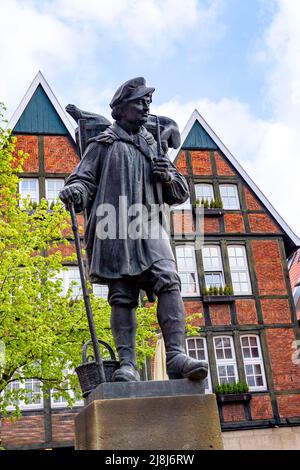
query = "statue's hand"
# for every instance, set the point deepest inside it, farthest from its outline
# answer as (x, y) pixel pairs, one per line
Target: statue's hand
(161, 169)
(71, 194)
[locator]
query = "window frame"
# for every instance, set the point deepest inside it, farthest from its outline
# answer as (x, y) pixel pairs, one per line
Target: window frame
(64, 404)
(239, 270)
(47, 180)
(213, 270)
(100, 286)
(21, 403)
(209, 198)
(22, 193)
(192, 245)
(209, 383)
(226, 362)
(254, 361)
(238, 204)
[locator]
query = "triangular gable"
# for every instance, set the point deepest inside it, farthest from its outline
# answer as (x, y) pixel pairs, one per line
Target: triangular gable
(198, 138)
(40, 112)
(293, 240)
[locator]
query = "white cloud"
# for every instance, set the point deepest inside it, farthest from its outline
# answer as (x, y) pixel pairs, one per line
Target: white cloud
(267, 149)
(151, 26)
(70, 40)
(32, 40)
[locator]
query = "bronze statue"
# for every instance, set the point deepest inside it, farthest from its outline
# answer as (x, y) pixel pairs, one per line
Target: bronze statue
(119, 172)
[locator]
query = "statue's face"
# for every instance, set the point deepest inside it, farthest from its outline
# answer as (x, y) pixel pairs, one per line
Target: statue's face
(136, 112)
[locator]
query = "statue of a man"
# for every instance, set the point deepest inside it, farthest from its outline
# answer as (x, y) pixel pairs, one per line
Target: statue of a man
(120, 168)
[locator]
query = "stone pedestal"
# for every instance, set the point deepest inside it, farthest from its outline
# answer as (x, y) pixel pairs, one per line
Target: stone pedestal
(164, 415)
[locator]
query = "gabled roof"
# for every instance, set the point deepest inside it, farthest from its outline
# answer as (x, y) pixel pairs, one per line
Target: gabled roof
(293, 239)
(39, 96)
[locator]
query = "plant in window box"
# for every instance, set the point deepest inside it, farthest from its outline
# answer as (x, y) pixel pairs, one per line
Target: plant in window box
(218, 294)
(206, 292)
(218, 203)
(228, 290)
(215, 290)
(206, 204)
(233, 392)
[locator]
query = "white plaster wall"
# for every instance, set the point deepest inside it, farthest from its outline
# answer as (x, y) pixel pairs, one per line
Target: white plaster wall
(287, 438)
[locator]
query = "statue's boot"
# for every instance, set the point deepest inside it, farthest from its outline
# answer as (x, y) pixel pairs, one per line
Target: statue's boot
(171, 319)
(123, 325)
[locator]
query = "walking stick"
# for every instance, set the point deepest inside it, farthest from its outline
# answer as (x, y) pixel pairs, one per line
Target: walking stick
(86, 296)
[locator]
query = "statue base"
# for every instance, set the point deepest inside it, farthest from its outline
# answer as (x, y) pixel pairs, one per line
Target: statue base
(154, 415)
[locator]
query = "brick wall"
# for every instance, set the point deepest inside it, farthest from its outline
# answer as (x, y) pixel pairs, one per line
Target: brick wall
(29, 144)
(223, 168)
(276, 310)
(183, 223)
(23, 431)
(220, 314)
(251, 201)
(194, 306)
(268, 265)
(66, 250)
(289, 406)
(261, 407)
(286, 374)
(211, 225)
(60, 155)
(181, 163)
(246, 312)
(201, 162)
(63, 427)
(262, 223)
(233, 412)
(234, 223)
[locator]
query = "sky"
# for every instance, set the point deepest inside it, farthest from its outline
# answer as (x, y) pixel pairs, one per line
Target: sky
(236, 61)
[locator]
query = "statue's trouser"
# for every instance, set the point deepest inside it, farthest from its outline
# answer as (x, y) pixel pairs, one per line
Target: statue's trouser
(123, 298)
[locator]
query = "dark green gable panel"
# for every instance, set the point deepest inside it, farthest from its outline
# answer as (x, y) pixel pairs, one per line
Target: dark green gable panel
(40, 116)
(199, 138)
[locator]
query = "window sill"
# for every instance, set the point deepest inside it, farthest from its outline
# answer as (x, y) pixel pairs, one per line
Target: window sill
(214, 299)
(209, 212)
(233, 397)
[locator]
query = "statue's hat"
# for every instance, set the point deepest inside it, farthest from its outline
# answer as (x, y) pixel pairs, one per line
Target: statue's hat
(131, 90)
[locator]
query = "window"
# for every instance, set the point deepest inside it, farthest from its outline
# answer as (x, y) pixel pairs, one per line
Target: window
(184, 206)
(53, 186)
(254, 367)
(229, 195)
(187, 270)
(239, 270)
(204, 191)
(29, 187)
(196, 348)
(72, 280)
(213, 269)
(225, 359)
(100, 291)
(33, 395)
(57, 402)
(69, 276)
